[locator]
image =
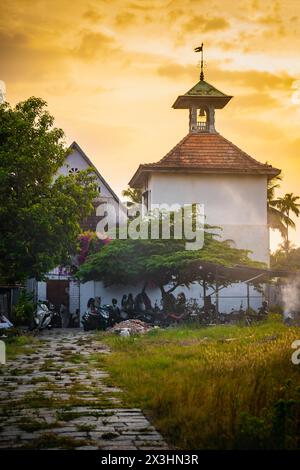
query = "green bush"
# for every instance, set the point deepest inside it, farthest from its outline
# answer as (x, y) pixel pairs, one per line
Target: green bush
(23, 310)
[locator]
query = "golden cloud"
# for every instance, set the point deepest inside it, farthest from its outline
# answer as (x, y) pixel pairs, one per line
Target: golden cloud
(124, 19)
(92, 15)
(93, 44)
(256, 100)
(259, 80)
(202, 24)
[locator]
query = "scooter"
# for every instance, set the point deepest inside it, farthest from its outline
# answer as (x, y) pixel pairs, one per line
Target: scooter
(56, 321)
(42, 317)
(96, 318)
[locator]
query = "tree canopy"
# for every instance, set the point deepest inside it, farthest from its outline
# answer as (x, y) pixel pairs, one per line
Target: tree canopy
(40, 213)
(289, 261)
(280, 210)
(160, 262)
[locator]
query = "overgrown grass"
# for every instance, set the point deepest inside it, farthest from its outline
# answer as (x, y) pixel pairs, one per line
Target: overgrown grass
(21, 345)
(31, 425)
(51, 440)
(223, 387)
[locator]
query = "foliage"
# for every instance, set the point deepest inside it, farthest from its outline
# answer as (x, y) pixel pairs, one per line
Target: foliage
(289, 261)
(159, 262)
(89, 244)
(279, 210)
(135, 195)
(39, 215)
(226, 387)
(20, 344)
(23, 310)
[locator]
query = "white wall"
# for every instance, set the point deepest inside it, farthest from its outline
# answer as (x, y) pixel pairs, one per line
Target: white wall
(73, 296)
(238, 203)
(75, 160)
(229, 298)
(42, 290)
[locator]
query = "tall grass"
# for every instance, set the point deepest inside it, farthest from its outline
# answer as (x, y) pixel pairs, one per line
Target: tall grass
(221, 387)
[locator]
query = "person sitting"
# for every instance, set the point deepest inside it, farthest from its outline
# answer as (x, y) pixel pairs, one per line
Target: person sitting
(130, 305)
(180, 303)
(91, 304)
(123, 313)
(65, 315)
(139, 305)
(115, 312)
(147, 302)
(75, 319)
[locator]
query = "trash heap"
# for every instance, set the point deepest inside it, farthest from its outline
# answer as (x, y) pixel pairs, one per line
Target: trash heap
(131, 327)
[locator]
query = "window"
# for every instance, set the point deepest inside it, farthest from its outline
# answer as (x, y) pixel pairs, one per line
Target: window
(146, 199)
(73, 171)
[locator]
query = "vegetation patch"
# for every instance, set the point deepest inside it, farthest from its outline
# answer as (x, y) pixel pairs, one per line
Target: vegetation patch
(213, 393)
(21, 345)
(32, 425)
(51, 440)
(86, 427)
(40, 379)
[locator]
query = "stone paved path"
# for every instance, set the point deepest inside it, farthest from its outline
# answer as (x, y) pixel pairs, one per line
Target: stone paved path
(58, 397)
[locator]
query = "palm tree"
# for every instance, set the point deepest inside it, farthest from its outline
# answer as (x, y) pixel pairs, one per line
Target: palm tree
(288, 204)
(135, 195)
(275, 215)
(279, 210)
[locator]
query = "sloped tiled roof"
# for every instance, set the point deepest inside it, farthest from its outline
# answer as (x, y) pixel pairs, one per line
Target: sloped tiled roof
(202, 93)
(202, 88)
(205, 153)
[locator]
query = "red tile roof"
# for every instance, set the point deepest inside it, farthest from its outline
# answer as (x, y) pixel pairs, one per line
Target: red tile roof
(205, 153)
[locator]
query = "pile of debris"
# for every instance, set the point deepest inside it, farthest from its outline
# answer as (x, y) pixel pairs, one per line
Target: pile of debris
(131, 327)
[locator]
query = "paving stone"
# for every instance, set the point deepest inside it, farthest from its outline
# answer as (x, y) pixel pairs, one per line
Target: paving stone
(87, 448)
(68, 380)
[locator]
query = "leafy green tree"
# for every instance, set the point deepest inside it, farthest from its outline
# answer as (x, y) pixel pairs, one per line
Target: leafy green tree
(289, 261)
(280, 209)
(276, 219)
(40, 213)
(135, 195)
(289, 204)
(162, 262)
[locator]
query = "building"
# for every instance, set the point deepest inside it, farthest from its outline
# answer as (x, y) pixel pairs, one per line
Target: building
(206, 168)
(60, 286)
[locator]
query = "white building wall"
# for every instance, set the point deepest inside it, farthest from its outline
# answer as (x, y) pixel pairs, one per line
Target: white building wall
(87, 290)
(73, 296)
(229, 298)
(42, 290)
(237, 203)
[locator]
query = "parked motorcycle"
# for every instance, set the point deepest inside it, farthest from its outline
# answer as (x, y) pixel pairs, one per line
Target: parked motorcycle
(42, 317)
(56, 321)
(96, 318)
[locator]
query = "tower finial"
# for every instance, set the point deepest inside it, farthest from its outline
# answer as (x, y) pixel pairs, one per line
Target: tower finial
(200, 49)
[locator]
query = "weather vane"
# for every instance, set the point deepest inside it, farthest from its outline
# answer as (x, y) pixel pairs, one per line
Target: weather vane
(200, 49)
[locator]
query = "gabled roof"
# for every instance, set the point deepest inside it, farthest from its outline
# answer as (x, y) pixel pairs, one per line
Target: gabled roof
(202, 93)
(205, 153)
(75, 146)
(202, 88)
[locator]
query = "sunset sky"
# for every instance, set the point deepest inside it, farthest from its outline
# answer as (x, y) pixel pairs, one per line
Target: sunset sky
(111, 70)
